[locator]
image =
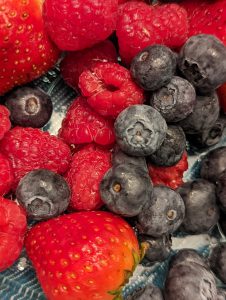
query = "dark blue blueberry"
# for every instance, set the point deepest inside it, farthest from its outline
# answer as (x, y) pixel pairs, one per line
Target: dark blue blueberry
(140, 130)
(125, 189)
(43, 193)
(221, 190)
(218, 261)
(153, 67)
(175, 101)
(202, 212)
(29, 107)
(202, 60)
(187, 256)
(172, 148)
(163, 214)
(204, 115)
(213, 164)
(150, 292)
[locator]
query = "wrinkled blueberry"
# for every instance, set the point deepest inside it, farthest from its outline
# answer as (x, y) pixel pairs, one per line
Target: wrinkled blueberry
(125, 189)
(163, 214)
(202, 60)
(213, 164)
(175, 101)
(29, 107)
(221, 190)
(172, 148)
(202, 212)
(221, 294)
(153, 67)
(140, 130)
(43, 193)
(150, 292)
(218, 261)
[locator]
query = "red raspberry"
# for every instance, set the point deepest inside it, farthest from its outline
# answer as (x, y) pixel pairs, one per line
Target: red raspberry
(76, 25)
(6, 175)
(221, 91)
(109, 88)
(140, 25)
(83, 125)
(29, 149)
(13, 226)
(76, 62)
(5, 123)
(169, 176)
(84, 176)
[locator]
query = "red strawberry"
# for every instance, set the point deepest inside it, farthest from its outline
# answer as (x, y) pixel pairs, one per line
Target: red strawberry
(76, 62)
(222, 97)
(29, 149)
(207, 17)
(13, 226)
(87, 255)
(86, 171)
(5, 123)
(6, 175)
(80, 24)
(83, 125)
(140, 25)
(25, 49)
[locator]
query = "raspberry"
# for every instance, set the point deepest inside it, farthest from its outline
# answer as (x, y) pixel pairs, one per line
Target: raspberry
(83, 125)
(109, 88)
(87, 169)
(76, 62)
(13, 226)
(140, 25)
(5, 123)
(83, 23)
(6, 175)
(29, 149)
(169, 176)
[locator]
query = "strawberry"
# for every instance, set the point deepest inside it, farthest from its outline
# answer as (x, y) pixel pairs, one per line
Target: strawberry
(86, 255)
(25, 49)
(222, 97)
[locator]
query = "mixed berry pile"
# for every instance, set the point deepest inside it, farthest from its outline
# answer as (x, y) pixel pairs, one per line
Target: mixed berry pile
(108, 190)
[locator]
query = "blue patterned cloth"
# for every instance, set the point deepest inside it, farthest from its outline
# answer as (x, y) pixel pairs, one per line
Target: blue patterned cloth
(20, 283)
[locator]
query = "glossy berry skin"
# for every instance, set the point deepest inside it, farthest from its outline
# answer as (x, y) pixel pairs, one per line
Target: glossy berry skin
(213, 164)
(193, 58)
(74, 63)
(82, 125)
(175, 101)
(169, 176)
(153, 67)
(43, 194)
(29, 107)
(204, 115)
(202, 212)
(6, 175)
(150, 292)
(109, 89)
(88, 262)
(30, 148)
(78, 21)
(163, 214)
(84, 175)
(140, 25)
(218, 261)
(125, 189)
(140, 130)
(158, 248)
(221, 190)
(172, 148)
(5, 123)
(13, 226)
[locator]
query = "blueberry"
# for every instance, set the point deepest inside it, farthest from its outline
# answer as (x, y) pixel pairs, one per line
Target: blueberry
(202, 60)
(187, 256)
(202, 212)
(204, 115)
(150, 292)
(175, 101)
(43, 193)
(29, 107)
(153, 67)
(221, 190)
(163, 214)
(218, 261)
(221, 294)
(140, 130)
(158, 249)
(213, 164)
(172, 148)
(125, 189)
